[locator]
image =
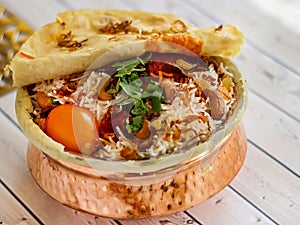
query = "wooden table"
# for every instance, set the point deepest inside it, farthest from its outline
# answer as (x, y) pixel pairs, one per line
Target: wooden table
(267, 189)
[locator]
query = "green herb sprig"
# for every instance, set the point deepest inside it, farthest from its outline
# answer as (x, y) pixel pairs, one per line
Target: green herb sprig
(129, 74)
(129, 71)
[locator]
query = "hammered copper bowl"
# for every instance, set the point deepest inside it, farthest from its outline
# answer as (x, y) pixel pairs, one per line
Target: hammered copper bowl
(140, 189)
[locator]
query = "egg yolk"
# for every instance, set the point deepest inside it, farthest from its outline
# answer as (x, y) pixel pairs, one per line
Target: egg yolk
(72, 126)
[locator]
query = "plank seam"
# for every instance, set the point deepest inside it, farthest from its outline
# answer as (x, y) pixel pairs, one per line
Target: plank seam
(274, 105)
(192, 217)
(253, 205)
(117, 222)
(273, 158)
(10, 119)
(21, 202)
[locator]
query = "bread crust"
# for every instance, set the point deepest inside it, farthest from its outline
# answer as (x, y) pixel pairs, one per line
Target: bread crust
(41, 57)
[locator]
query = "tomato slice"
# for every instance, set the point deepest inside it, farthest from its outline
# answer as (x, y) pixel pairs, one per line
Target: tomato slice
(72, 126)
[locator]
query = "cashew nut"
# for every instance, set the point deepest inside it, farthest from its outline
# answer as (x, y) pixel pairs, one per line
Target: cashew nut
(145, 131)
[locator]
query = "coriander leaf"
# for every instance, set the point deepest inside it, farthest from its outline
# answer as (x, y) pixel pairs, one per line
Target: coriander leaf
(112, 91)
(54, 101)
(136, 124)
(128, 101)
(126, 70)
(156, 104)
(116, 89)
(139, 109)
(128, 65)
(153, 85)
(133, 76)
(144, 61)
(141, 61)
(158, 93)
(131, 90)
(154, 89)
(146, 95)
(137, 83)
(128, 126)
(129, 70)
(123, 81)
(125, 63)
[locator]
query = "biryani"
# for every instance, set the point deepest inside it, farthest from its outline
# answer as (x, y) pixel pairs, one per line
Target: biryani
(128, 90)
(148, 106)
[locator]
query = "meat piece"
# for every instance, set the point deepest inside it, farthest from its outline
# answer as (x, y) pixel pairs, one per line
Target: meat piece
(129, 154)
(41, 122)
(168, 63)
(44, 101)
(109, 122)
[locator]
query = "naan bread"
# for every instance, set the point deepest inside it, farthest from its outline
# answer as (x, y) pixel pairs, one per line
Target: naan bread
(94, 32)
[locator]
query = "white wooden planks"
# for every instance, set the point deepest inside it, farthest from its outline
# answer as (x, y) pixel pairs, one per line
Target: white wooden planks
(271, 81)
(7, 104)
(11, 212)
(270, 187)
(273, 131)
(178, 218)
(268, 183)
(35, 13)
(265, 32)
(226, 208)
(15, 174)
(290, 11)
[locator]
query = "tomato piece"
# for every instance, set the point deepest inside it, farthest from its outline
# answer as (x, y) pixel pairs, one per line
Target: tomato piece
(72, 126)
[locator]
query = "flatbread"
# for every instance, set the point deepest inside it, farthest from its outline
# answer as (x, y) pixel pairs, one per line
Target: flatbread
(41, 58)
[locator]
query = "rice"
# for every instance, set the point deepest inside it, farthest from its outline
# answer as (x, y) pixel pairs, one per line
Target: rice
(184, 122)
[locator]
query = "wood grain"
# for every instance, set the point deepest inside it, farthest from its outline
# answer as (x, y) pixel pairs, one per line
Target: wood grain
(272, 120)
(276, 133)
(11, 212)
(229, 208)
(265, 32)
(270, 187)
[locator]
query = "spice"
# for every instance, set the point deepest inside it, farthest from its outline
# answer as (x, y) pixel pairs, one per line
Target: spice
(66, 40)
(115, 28)
(219, 28)
(26, 55)
(178, 27)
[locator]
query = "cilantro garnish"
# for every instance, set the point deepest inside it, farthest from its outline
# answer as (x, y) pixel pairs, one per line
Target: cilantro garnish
(134, 125)
(139, 109)
(54, 101)
(129, 71)
(129, 74)
(153, 94)
(156, 104)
